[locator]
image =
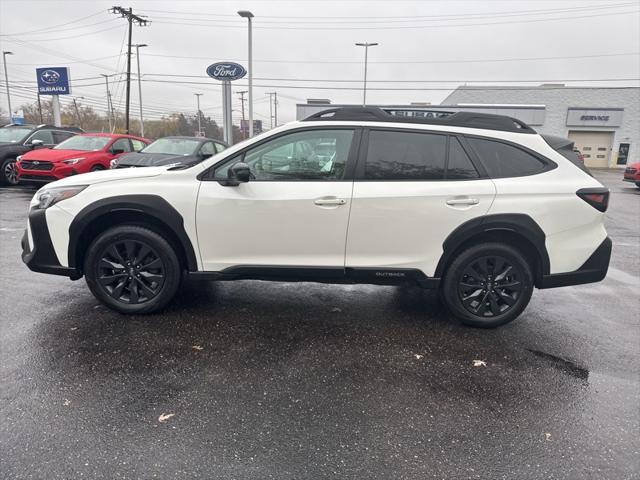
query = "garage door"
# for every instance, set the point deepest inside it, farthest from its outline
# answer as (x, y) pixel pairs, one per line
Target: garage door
(595, 146)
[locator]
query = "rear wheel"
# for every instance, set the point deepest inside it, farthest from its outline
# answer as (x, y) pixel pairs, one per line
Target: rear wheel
(488, 285)
(132, 269)
(9, 172)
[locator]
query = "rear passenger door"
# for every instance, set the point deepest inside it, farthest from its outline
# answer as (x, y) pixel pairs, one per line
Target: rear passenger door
(411, 190)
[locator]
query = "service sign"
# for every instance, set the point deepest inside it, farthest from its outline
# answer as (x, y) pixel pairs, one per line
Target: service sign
(53, 81)
(226, 71)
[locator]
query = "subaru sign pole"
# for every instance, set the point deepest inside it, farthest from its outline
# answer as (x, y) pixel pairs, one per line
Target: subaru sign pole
(54, 81)
(226, 72)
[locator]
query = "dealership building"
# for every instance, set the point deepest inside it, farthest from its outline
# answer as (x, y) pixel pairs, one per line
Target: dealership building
(604, 123)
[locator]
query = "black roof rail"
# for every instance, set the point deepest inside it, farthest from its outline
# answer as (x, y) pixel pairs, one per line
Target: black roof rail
(458, 119)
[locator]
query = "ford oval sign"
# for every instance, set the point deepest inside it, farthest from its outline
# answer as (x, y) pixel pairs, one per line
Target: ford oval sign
(226, 71)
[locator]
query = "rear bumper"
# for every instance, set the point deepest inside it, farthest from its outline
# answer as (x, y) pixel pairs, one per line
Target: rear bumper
(43, 258)
(593, 270)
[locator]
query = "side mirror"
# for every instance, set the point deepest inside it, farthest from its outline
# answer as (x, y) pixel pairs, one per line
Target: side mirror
(240, 172)
(35, 143)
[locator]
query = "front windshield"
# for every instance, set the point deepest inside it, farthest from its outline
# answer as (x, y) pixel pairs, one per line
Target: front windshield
(173, 146)
(13, 134)
(83, 143)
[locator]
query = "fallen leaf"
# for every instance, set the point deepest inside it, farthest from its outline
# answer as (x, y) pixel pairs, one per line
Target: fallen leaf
(165, 416)
(196, 348)
(418, 356)
(67, 402)
(547, 436)
(479, 363)
(336, 310)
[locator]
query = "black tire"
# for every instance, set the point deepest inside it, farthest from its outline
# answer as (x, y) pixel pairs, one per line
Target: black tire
(8, 172)
(488, 285)
(132, 270)
(97, 168)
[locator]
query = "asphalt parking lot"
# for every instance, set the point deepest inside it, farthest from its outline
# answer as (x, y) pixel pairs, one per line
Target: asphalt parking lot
(258, 380)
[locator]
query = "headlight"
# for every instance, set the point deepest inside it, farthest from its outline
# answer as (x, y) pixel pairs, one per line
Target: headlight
(18, 158)
(55, 195)
(113, 163)
(73, 161)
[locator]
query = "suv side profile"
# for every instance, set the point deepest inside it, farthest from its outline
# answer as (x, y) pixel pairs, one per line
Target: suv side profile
(479, 206)
(16, 140)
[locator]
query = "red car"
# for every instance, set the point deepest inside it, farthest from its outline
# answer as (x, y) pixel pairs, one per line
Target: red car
(632, 173)
(83, 153)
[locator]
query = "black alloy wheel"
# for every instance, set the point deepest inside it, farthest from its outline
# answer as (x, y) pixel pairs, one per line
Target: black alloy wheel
(131, 271)
(490, 286)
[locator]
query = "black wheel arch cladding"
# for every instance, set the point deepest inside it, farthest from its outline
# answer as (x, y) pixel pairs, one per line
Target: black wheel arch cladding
(519, 224)
(147, 205)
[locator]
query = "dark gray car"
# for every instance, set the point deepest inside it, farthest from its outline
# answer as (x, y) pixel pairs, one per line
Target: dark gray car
(171, 151)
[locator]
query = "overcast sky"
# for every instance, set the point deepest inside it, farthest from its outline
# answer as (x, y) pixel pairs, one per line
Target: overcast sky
(309, 44)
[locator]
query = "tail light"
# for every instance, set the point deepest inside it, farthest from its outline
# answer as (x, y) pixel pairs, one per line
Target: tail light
(598, 198)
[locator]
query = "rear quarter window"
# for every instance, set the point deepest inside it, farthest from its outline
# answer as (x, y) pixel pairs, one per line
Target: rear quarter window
(501, 160)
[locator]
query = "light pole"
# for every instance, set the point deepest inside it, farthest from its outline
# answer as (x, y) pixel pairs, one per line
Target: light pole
(248, 15)
(109, 113)
(242, 130)
(366, 46)
(138, 45)
(198, 95)
(6, 81)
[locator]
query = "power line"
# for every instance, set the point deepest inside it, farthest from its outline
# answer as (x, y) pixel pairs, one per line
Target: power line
(384, 27)
(55, 26)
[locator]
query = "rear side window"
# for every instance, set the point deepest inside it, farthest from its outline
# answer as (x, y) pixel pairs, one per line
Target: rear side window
(60, 136)
(502, 160)
(460, 166)
(405, 156)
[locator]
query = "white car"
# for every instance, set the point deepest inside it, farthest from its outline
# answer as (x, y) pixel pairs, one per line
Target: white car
(479, 206)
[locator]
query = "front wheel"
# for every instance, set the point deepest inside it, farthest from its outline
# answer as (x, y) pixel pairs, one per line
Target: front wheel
(9, 172)
(97, 168)
(488, 285)
(132, 269)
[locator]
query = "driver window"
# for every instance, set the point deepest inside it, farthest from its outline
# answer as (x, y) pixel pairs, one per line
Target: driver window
(310, 155)
(44, 135)
(121, 144)
(207, 149)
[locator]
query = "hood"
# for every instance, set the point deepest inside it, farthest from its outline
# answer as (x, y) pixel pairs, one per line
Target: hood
(106, 176)
(51, 155)
(138, 159)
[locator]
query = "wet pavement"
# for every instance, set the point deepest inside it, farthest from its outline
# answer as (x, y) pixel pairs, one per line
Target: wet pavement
(259, 380)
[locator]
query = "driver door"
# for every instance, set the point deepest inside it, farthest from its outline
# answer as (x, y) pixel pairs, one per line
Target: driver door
(294, 210)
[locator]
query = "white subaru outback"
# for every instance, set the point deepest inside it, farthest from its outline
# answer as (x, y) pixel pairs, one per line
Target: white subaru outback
(479, 206)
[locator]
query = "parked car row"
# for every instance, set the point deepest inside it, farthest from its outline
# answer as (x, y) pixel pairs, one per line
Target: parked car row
(44, 153)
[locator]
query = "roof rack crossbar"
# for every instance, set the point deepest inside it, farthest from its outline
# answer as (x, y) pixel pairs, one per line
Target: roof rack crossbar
(459, 119)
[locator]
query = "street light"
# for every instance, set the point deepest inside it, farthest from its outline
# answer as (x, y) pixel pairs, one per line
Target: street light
(6, 81)
(366, 46)
(138, 46)
(198, 95)
(248, 15)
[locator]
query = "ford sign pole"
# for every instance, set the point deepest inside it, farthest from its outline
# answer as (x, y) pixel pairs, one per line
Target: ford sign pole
(226, 72)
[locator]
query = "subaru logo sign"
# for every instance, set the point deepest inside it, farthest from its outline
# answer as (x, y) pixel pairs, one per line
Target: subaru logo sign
(226, 71)
(50, 76)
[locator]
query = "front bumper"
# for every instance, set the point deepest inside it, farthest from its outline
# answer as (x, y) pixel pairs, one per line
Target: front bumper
(58, 172)
(42, 258)
(593, 270)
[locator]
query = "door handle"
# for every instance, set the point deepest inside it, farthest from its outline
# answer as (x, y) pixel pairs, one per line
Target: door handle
(329, 201)
(463, 201)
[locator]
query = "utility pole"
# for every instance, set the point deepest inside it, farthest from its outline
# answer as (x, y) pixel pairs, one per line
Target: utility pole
(40, 109)
(273, 108)
(242, 100)
(6, 81)
(131, 18)
(106, 83)
(366, 46)
(198, 95)
(138, 45)
(75, 105)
